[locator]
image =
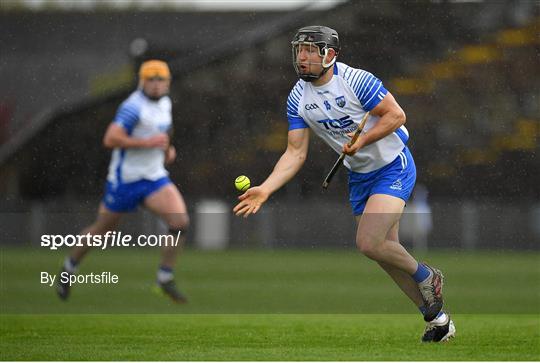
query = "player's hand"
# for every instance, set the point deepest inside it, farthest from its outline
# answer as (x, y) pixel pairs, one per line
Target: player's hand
(352, 149)
(160, 141)
(251, 201)
(170, 154)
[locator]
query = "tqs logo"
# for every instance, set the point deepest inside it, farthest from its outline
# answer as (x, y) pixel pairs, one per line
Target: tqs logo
(340, 123)
(311, 106)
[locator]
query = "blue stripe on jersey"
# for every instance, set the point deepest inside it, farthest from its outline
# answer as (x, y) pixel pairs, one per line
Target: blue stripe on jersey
(360, 82)
(295, 97)
(369, 83)
(368, 89)
(295, 121)
(127, 116)
(297, 93)
(376, 97)
(345, 73)
(402, 135)
(356, 79)
(119, 166)
(335, 68)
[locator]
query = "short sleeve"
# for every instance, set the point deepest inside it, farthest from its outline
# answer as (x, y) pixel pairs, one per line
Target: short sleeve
(127, 116)
(368, 89)
(293, 101)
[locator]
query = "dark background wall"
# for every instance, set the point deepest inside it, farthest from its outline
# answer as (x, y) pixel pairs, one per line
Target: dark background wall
(467, 84)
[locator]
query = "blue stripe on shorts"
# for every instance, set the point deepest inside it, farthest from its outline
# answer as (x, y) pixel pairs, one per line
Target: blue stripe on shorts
(396, 179)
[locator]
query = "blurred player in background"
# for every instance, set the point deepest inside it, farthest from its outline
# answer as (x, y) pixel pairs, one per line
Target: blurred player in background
(137, 175)
(330, 98)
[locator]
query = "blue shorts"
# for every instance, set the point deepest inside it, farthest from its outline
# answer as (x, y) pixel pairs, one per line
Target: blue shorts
(125, 197)
(396, 179)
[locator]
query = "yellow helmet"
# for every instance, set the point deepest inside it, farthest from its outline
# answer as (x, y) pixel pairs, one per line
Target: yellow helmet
(154, 68)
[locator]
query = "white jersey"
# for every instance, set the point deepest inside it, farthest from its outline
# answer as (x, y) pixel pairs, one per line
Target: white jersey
(141, 117)
(336, 108)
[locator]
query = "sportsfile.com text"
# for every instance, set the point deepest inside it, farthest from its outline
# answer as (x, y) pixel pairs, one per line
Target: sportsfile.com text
(109, 239)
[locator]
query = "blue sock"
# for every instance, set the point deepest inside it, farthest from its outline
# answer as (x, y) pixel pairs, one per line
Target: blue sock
(165, 269)
(421, 273)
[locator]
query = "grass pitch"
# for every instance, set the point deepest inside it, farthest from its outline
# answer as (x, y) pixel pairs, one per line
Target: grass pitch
(263, 337)
(266, 305)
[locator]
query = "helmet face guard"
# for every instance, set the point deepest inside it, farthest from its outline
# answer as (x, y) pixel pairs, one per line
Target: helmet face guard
(322, 50)
(315, 38)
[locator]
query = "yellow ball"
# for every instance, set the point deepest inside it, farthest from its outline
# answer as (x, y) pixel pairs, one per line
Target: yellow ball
(242, 183)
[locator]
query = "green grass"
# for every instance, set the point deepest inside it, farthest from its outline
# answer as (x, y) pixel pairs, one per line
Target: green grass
(263, 337)
(266, 305)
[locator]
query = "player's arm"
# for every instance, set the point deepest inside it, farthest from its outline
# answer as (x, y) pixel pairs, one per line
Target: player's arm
(290, 162)
(391, 118)
(170, 151)
(117, 136)
(285, 169)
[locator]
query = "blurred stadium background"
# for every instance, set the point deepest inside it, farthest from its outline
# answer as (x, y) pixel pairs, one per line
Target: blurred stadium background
(467, 74)
(470, 86)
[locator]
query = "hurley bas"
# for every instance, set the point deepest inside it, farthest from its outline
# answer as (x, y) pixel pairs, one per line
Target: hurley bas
(104, 277)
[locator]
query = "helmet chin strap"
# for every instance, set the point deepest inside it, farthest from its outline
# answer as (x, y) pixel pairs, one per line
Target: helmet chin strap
(327, 65)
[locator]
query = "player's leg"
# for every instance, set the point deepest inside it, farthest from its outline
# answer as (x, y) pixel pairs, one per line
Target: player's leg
(439, 329)
(405, 282)
(381, 213)
(106, 220)
(168, 203)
